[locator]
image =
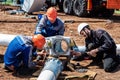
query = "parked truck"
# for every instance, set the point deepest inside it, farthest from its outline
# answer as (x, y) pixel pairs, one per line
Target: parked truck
(81, 8)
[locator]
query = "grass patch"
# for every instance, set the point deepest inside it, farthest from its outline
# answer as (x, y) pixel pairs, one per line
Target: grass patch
(117, 11)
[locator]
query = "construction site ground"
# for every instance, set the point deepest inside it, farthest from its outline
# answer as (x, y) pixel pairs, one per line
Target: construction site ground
(25, 25)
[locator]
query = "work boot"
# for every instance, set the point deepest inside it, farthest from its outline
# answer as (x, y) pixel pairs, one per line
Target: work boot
(113, 68)
(25, 71)
(96, 63)
(6, 68)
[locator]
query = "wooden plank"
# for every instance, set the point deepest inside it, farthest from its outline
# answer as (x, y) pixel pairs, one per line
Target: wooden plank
(67, 75)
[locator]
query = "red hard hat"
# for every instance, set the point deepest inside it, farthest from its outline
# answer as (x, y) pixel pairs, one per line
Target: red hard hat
(51, 14)
(38, 41)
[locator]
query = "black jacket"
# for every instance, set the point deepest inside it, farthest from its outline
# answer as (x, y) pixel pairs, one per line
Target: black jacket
(102, 40)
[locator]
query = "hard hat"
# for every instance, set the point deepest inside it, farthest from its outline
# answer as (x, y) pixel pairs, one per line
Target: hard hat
(51, 14)
(38, 41)
(82, 26)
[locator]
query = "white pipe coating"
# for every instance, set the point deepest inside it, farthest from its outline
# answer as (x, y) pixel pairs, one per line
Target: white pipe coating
(51, 70)
(5, 39)
(82, 48)
(46, 75)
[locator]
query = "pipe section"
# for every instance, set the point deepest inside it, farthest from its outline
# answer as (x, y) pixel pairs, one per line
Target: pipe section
(5, 39)
(82, 48)
(52, 68)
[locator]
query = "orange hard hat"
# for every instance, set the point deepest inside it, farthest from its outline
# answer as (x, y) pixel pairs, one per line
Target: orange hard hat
(51, 14)
(38, 41)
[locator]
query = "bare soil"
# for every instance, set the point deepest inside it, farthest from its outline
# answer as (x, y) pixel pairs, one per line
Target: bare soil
(20, 24)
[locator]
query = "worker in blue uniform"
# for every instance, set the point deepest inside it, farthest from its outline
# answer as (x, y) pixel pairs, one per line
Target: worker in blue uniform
(21, 50)
(50, 24)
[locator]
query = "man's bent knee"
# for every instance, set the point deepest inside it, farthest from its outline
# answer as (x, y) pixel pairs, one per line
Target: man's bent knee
(108, 69)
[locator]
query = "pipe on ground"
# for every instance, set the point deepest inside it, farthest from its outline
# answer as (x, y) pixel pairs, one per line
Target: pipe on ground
(5, 39)
(52, 68)
(82, 48)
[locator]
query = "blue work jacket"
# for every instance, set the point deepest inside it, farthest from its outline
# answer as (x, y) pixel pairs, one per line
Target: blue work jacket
(20, 50)
(47, 29)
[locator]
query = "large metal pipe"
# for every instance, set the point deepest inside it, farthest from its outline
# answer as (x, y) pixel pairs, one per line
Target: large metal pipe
(6, 38)
(82, 48)
(52, 68)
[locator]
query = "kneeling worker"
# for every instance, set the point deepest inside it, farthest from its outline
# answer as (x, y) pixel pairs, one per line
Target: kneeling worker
(21, 51)
(100, 46)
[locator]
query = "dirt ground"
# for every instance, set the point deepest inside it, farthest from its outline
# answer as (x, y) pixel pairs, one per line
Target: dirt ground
(20, 24)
